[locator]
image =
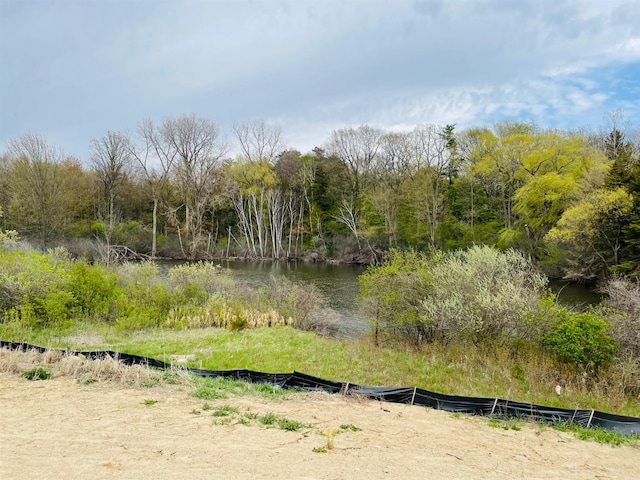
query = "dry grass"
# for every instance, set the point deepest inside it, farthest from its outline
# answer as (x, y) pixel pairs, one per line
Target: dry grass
(85, 370)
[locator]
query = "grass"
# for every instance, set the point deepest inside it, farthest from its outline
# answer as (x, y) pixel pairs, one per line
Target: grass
(224, 411)
(530, 377)
(211, 388)
(598, 434)
(37, 373)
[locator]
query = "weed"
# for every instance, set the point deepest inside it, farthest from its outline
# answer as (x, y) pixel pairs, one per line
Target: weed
(222, 421)
(494, 422)
(251, 415)
(87, 380)
(290, 425)
(37, 373)
(210, 389)
(510, 424)
(244, 421)
(195, 412)
(330, 435)
(206, 407)
(224, 411)
(149, 402)
(349, 426)
(150, 382)
(268, 419)
(319, 450)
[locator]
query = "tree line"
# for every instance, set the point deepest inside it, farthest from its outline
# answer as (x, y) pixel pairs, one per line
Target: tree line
(568, 199)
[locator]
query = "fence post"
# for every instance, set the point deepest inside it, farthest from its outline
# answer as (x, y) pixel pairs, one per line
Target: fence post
(345, 389)
(590, 418)
(495, 402)
(413, 397)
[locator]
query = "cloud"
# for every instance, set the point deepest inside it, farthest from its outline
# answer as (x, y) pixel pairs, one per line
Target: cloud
(77, 69)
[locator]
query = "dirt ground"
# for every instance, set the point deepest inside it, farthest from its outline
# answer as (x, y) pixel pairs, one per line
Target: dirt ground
(59, 429)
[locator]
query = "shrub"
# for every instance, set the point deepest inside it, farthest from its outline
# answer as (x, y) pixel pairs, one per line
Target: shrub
(143, 300)
(392, 294)
(582, 340)
(482, 294)
(476, 295)
(304, 304)
(94, 289)
(203, 277)
(623, 308)
(35, 287)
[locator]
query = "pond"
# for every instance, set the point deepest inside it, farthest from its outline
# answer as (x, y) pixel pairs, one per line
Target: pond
(339, 284)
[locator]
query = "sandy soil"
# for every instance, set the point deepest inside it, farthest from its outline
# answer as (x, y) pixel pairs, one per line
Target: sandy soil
(59, 429)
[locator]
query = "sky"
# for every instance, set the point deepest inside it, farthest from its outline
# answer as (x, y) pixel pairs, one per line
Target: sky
(72, 70)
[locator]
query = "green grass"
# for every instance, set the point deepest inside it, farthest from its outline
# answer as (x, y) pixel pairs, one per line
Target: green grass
(268, 419)
(224, 411)
(598, 434)
(37, 373)
(211, 388)
(455, 370)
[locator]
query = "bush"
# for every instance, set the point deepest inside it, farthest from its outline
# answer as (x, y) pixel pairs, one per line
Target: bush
(393, 292)
(476, 295)
(304, 304)
(195, 282)
(482, 294)
(582, 340)
(94, 290)
(35, 287)
(623, 308)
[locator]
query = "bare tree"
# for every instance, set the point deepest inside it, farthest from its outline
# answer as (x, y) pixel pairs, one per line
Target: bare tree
(259, 141)
(111, 159)
(198, 149)
(433, 161)
(190, 149)
(42, 186)
(393, 162)
(357, 148)
(155, 163)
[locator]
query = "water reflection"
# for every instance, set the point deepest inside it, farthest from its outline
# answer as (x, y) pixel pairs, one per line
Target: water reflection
(338, 283)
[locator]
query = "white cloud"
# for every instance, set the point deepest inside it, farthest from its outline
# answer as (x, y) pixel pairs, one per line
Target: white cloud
(82, 68)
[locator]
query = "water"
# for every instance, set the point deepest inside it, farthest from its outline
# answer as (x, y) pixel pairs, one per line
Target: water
(575, 295)
(339, 284)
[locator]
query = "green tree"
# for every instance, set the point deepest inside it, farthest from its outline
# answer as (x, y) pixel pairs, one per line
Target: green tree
(625, 173)
(536, 175)
(592, 232)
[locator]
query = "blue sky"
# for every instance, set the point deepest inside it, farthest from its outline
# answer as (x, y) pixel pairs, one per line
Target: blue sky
(74, 69)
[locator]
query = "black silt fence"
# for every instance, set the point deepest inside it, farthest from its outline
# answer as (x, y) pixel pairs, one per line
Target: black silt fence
(406, 395)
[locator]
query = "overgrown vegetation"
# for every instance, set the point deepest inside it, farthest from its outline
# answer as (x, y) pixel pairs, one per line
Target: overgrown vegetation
(494, 300)
(569, 199)
(51, 290)
(473, 322)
